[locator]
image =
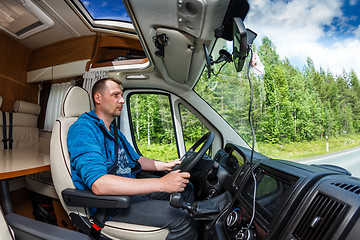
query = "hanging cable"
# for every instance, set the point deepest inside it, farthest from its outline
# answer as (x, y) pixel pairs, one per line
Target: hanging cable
(215, 74)
(253, 139)
(227, 209)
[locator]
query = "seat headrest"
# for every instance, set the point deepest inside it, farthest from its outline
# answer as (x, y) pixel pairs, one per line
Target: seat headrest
(26, 107)
(1, 101)
(75, 102)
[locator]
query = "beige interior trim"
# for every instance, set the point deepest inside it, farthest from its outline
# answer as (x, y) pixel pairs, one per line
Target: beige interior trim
(66, 70)
(179, 49)
(26, 107)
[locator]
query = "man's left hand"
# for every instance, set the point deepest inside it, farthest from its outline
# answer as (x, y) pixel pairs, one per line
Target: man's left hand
(170, 165)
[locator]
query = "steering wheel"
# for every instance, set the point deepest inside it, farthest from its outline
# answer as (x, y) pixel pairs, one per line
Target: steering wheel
(191, 158)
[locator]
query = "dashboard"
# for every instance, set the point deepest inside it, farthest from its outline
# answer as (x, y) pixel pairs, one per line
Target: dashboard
(292, 200)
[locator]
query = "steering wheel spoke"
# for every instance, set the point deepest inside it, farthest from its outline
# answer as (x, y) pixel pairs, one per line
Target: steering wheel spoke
(191, 158)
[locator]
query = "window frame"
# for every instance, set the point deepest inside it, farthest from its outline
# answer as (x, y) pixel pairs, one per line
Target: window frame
(132, 130)
(128, 129)
(107, 25)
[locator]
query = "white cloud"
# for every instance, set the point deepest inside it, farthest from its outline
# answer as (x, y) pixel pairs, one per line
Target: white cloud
(296, 29)
(86, 4)
(104, 4)
(357, 32)
(353, 2)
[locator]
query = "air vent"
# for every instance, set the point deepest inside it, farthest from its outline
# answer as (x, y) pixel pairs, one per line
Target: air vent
(320, 219)
(348, 187)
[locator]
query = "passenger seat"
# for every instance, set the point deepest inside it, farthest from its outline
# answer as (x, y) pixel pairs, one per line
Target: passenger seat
(26, 136)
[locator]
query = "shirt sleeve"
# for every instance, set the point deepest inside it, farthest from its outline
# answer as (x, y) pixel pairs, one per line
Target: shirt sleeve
(86, 155)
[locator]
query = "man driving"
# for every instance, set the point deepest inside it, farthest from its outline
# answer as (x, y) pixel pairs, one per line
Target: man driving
(103, 161)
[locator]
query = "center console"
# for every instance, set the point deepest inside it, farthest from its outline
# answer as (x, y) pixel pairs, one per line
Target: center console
(286, 198)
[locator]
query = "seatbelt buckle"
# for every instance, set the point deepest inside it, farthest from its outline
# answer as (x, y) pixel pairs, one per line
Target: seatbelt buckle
(95, 231)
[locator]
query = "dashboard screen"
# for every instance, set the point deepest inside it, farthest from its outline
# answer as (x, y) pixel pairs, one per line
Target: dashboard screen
(270, 190)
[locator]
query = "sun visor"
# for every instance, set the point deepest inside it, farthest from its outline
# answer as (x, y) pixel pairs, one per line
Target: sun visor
(177, 53)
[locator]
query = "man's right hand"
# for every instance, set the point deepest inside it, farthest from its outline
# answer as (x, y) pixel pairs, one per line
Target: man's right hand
(110, 184)
(174, 181)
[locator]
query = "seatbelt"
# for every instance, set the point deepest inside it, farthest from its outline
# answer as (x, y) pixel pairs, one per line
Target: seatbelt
(4, 140)
(103, 214)
(10, 130)
(113, 168)
(116, 134)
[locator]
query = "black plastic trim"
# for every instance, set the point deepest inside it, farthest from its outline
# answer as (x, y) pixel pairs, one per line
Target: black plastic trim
(85, 198)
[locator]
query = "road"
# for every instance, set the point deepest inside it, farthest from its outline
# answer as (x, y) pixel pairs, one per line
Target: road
(348, 159)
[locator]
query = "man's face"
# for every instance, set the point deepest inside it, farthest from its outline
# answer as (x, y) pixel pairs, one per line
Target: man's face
(112, 101)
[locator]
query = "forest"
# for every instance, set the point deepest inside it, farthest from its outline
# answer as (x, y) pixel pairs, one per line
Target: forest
(289, 104)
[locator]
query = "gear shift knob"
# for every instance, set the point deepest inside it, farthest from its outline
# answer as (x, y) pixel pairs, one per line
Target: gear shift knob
(176, 200)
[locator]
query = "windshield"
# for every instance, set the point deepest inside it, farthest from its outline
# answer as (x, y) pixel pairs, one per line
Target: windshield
(296, 114)
(227, 93)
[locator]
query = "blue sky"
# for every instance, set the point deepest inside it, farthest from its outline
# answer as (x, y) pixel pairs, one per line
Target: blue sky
(112, 9)
(327, 31)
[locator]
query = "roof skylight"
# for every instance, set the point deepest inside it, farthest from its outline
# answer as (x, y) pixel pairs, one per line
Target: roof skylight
(106, 10)
(105, 15)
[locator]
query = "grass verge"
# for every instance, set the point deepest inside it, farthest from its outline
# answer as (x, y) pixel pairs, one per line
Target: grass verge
(162, 152)
(288, 151)
(305, 149)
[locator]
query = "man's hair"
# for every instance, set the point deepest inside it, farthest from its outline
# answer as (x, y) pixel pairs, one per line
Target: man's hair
(99, 86)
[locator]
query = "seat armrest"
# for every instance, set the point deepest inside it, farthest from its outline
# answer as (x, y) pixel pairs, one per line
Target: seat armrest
(85, 198)
(26, 228)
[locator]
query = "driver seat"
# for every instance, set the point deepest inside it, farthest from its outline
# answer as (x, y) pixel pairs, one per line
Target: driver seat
(76, 202)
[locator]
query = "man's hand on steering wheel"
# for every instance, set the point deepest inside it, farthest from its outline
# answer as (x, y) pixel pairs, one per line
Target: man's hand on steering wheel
(170, 165)
(191, 158)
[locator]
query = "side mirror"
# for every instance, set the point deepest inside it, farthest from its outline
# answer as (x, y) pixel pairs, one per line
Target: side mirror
(242, 38)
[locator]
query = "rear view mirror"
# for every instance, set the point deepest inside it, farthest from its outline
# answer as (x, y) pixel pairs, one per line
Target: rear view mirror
(239, 43)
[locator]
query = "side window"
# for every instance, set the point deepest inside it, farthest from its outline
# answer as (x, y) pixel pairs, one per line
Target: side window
(152, 126)
(193, 128)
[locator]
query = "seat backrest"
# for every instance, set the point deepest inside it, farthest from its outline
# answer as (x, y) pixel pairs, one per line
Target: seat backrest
(25, 132)
(5, 232)
(76, 101)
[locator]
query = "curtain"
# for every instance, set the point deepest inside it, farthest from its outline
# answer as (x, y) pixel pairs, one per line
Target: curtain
(44, 97)
(90, 78)
(53, 108)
